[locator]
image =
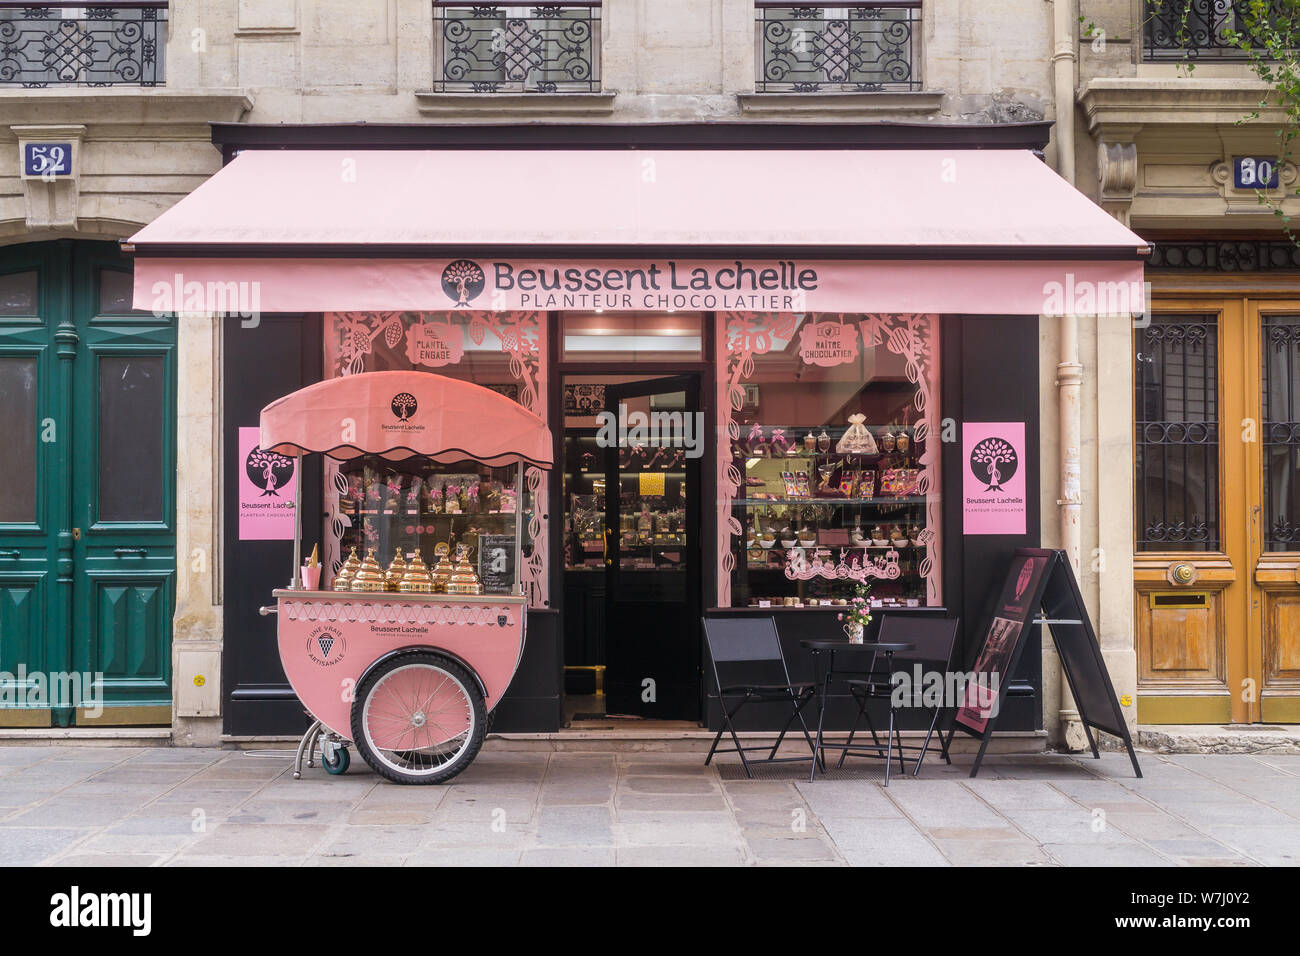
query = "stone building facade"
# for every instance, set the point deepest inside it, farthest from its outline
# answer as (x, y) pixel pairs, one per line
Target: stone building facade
(1147, 144)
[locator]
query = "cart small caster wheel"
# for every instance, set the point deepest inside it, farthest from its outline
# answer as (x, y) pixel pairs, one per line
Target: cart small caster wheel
(339, 765)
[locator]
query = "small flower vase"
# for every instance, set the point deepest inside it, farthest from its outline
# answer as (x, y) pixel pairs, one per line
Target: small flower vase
(854, 631)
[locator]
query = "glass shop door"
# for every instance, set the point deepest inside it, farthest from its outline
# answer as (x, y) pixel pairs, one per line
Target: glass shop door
(652, 548)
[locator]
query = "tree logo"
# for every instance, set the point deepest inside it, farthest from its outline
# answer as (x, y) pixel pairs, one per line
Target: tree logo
(993, 461)
(404, 406)
(268, 470)
(462, 280)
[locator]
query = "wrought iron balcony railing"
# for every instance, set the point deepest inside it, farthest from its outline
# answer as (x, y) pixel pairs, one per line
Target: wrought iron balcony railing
(543, 48)
(1193, 29)
(855, 47)
(78, 44)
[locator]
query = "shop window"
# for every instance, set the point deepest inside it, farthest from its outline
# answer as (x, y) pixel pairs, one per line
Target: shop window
(828, 459)
(442, 512)
(498, 350)
(632, 336)
(1176, 402)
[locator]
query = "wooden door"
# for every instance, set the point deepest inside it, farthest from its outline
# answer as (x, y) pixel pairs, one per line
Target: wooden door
(87, 506)
(1217, 493)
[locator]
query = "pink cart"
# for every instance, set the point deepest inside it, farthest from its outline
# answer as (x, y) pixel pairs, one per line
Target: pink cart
(410, 679)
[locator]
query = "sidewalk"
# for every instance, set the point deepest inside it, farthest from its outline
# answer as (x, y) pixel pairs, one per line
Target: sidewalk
(85, 806)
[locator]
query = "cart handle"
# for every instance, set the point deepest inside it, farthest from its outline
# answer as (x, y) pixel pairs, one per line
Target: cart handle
(270, 609)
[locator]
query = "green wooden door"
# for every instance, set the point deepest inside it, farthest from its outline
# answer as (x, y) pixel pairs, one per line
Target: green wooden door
(87, 523)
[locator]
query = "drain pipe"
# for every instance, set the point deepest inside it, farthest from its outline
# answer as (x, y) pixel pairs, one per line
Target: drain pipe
(1069, 371)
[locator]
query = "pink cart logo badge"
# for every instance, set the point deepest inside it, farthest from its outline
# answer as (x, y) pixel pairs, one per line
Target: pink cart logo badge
(463, 281)
(828, 343)
(434, 344)
(404, 406)
(326, 646)
(994, 492)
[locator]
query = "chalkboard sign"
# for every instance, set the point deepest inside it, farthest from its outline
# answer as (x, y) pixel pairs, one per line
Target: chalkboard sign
(496, 563)
(1040, 589)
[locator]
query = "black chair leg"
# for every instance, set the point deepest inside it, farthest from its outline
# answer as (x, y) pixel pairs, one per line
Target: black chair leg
(889, 743)
(852, 730)
(898, 739)
(870, 726)
(807, 734)
(718, 738)
(781, 736)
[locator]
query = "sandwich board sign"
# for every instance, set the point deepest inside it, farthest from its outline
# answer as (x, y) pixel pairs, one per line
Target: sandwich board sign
(1040, 589)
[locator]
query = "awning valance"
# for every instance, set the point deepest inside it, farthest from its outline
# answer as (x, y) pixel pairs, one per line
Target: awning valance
(978, 231)
(401, 414)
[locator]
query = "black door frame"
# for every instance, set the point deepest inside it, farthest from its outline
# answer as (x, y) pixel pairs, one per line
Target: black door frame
(706, 368)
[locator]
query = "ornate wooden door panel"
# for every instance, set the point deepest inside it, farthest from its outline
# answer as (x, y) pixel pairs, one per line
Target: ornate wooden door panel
(1217, 564)
(1276, 602)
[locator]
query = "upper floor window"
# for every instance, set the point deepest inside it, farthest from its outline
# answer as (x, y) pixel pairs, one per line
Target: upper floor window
(546, 48)
(70, 44)
(853, 48)
(1195, 29)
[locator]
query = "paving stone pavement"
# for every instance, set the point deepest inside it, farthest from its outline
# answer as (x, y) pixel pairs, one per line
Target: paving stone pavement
(82, 806)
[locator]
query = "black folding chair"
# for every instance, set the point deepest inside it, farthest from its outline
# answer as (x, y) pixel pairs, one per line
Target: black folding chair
(736, 641)
(933, 640)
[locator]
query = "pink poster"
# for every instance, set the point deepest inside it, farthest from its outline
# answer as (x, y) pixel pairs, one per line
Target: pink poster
(267, 483)
(993, 485)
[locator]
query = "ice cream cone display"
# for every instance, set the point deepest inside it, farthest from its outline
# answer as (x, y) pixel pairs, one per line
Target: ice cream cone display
(442, 571)
(463, 579)
(368, 577)
(393, 576)
(343, 580)
(416, 579)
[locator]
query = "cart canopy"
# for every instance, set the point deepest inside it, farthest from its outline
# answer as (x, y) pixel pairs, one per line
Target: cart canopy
(401, 414)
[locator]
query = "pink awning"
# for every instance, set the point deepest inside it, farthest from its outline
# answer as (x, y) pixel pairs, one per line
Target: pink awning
(400, 414)
(979, 231)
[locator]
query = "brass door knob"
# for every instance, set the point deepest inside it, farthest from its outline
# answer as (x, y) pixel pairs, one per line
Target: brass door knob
(1182, 574)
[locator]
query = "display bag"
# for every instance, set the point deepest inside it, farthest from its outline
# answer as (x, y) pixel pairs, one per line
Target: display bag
(1040, 589)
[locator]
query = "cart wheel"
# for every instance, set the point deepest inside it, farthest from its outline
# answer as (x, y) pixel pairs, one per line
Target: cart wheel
(418, 718)
(339, 765)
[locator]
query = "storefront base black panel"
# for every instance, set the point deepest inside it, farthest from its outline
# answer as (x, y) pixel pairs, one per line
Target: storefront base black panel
(263, 362)
(534, 702)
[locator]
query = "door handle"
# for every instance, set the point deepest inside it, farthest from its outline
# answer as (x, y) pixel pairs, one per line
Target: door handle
(10, 553)
(127, 552)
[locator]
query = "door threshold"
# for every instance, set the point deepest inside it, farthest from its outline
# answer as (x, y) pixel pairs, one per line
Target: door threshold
(1219, 738)
(87, 736)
